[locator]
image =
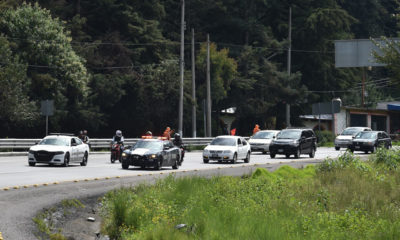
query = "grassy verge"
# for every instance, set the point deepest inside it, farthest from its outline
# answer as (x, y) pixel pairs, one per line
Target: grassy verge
(338, 199)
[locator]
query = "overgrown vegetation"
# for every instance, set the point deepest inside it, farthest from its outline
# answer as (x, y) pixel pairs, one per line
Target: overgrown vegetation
(338, 199)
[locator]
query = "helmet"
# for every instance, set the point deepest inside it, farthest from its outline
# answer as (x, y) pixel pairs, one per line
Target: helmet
(118, 133)
(177, 136)
(149, 133)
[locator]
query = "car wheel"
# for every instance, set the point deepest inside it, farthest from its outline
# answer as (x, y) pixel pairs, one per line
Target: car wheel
(66, 160)
(125, 165)
(247, 159)
(158, 165)
(272, 154)
(205, 160)
(365, 152)
(373, 149)
(112, 158)
(84, 160)
(297, 154)
(234, 160)
(337, 148)
(176, 164)
(287, 155)
(265, 152)
(312, 153)
(32, 164)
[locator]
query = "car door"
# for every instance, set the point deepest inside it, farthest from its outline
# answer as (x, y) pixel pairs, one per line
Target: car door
(74, 150)
(246, 147)
(80, 149)
(380, 142)
(167, 157)
(388, 140)
(240, 148)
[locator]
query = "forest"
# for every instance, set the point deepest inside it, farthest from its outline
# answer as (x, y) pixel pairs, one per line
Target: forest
(114, 64)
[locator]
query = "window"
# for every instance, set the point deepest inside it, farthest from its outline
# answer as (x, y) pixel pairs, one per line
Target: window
(244, 142)
(239, 142)
(78, 141)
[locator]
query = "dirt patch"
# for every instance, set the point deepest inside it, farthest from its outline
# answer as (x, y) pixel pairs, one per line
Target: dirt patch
(69, 220)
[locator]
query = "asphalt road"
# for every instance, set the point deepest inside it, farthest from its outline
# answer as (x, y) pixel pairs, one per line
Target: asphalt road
(24, 190)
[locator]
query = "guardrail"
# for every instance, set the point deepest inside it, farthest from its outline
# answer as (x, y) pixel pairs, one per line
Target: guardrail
(95, 143)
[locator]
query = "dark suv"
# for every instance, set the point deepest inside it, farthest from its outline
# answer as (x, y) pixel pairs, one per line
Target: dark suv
(294, 141)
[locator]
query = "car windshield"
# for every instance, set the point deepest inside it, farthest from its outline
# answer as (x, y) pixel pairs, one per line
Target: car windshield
(351, 131)
(153, 145)
(223, 141)
(55, 141)
(366, 135)
(289, 134)
(263, 135)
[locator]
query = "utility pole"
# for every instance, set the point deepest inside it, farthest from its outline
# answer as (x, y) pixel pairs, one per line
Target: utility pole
(208, 89)
(182, 67)
(363, 87)
(193, 88)
(289, 64)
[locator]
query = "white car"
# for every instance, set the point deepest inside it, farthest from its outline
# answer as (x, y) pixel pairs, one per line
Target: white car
(260, 141)
(227, 148)
(344, 140)
(59, 150)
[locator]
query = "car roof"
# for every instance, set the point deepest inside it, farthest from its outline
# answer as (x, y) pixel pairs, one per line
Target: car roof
(228, 136)
(357, 128)
(269, 131)
(297, 129)
(59, 136)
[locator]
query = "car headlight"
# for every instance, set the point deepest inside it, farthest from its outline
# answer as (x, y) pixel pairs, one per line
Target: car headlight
(58, 153)
(295, 142)
(124, 154)
(206, 151)
(153, 156)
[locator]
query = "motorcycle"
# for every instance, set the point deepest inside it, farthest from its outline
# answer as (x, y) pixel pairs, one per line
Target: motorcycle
(116, 149)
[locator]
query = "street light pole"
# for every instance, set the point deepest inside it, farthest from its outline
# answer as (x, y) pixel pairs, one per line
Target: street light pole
(289, 64)
(182, 68)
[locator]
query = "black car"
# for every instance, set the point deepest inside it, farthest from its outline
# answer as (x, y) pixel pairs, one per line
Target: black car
(370, 141)
(154, 153)
(294, 142)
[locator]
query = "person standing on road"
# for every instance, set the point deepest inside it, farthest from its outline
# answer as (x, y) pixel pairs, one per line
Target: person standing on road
(167, 133)
(256, 129)
(86, 138)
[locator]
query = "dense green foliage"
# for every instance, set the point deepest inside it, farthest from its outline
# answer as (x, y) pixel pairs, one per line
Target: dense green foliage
(114, 64)
(338, 199)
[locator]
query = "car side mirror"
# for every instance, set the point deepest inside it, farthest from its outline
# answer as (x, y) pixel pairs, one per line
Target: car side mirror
(353, 137)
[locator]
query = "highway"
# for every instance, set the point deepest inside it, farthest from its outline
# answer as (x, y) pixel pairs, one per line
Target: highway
(25, 191)
(15, 172)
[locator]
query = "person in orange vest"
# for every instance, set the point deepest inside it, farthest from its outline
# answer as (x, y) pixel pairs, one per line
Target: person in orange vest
(233, 132)
(167, 133)
(256, 129)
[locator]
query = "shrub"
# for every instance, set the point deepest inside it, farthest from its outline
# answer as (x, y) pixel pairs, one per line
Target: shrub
(390, 159)
(324, 137)
(345, 160)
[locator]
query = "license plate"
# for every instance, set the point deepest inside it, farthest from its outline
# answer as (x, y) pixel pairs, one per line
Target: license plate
(357, 147)
(214, 155)
(151, 160)
(280, 150)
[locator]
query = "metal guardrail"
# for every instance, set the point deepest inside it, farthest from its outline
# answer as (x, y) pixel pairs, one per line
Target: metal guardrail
(95, 143)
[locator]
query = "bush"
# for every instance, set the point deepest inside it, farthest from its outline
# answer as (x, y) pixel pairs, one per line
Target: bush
(324, 137)
(390, 159)
(346, 160)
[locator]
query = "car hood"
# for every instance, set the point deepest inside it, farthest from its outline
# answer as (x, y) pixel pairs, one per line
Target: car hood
(344, 137)
(363, 140)
(220, 148)
(143, 151)
(50, 148)
(284, 140)
(262, 141)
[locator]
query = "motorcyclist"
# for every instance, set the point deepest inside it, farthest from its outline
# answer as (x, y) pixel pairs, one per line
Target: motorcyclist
(85, 138)
(118, 138)
(81, 136)
(179, 143)
(177, 140)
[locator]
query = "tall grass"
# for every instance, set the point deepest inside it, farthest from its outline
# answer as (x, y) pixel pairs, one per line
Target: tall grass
(339, 199)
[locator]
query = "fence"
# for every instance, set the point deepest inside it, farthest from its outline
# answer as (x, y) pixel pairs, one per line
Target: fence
(96, 143)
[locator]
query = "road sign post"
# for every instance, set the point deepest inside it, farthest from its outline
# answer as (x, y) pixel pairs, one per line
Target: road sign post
(47, 109)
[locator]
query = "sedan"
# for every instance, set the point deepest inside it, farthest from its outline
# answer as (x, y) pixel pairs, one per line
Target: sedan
(227, 148)
(260, 141)
(59, 150)
(370, 141)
